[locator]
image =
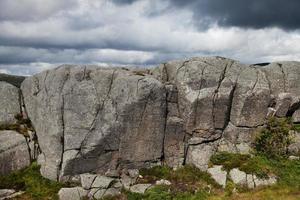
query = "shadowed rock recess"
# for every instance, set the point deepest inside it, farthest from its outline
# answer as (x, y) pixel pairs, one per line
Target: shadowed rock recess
(90, 119)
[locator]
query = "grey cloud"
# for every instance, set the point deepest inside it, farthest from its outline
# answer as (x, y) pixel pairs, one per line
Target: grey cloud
(144, 33)
(33, 9)
(241, 13)
(124, 1)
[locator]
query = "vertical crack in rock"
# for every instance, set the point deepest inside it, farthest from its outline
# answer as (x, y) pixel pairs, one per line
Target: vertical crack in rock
(165, 127)
(44, 81)
(99, 108)
(165, 71)
(230, 105)
(215, 95)
(182, 65)
(267, 78)
(84, 73)
(37, 85)
(137, 84)
(283, 76)
(62, 112)
(256, 81)
(145, 106)
(198, 95)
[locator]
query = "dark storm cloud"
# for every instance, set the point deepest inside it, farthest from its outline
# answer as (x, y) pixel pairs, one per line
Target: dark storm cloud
(241, 13)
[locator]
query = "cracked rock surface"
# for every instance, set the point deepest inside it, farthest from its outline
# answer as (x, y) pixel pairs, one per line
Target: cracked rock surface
(14, 152)
(93, 119)
(9, 102)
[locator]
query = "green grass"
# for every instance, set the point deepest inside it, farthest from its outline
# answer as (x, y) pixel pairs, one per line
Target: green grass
(30, 181)
(288, 171)
(188, 182)
(161, 192)
(258, 164)
(297, 127)
(187, 174)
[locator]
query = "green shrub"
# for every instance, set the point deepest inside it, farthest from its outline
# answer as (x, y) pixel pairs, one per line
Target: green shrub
(187, 174)
(258, 164)
(274, 139)
(229, 160)
(297, 127)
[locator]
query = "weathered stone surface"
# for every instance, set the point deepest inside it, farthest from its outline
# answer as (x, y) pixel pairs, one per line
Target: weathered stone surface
(163, 182)
(294, 148)
(10, 195)
(253, 181)
(9, 102)
(174, 142)
(238, 177)
(199, 155)
(140, 188)
(14, 152)
(87, 180)
(76, 193)
(219, 175)
(251, 98)
(6, 192)
(237, 139)
(296, 116)
(250, 181)
(111, 192)
(127, 181)
(102, 182)
(94, 119)
(264, 182)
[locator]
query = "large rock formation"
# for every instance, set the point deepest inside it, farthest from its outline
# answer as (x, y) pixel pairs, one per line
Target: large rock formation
(93, 119)
(14, 152)
(17, 145)
(9, 102)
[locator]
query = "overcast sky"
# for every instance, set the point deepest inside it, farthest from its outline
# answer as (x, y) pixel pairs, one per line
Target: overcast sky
(39, 34)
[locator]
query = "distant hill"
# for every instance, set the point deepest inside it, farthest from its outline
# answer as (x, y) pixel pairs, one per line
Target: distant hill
(12, 79)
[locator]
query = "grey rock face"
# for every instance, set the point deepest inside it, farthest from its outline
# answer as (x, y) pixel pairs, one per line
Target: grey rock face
(294, 148)
(9, 102)
(94, 119)
(14, 152)
(238, 177)
(199, 155)
(76, 193)
(6, 192)
(219, 175)
(237, 139)
(140, 188)
(102, 182)
(91, 119)
(87, 180)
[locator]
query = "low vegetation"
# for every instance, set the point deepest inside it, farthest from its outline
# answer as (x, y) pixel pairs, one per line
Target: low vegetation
(270, 157)
(274, 139)
(29, 180)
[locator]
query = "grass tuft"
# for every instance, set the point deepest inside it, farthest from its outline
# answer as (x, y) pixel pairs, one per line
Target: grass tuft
(29, 180)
